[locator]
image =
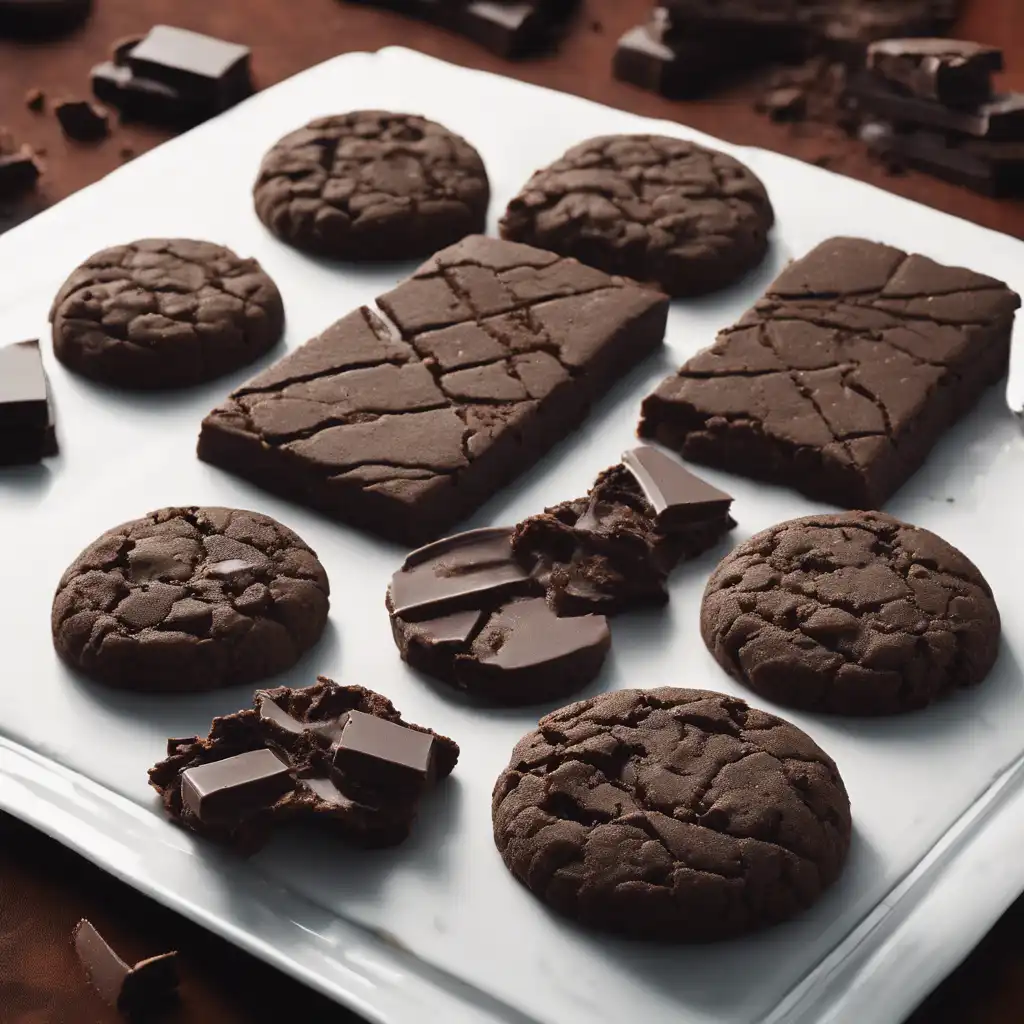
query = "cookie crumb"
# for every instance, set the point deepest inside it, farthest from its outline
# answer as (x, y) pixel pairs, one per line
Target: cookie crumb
(35, 99)
(127, 153)
(596, 26)
(82, 121)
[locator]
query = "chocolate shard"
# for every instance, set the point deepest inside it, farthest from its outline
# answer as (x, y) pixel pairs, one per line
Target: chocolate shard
(376, 754)
(953, 72)
(82, 121)
(677, 496)
(235, 787)
(151, 983)
(26, 411)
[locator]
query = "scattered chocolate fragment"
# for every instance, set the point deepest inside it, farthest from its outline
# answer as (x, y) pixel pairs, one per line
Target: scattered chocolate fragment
(840, 380)
(613, 550)
(297, 757)
(147, 986)
(998, 119)
(18, 172)
(491, 352)
(198, 67)
(141, 99)
(26, 415)
(81, 120)
(786, 104)
(954, 72)
(224, 790)
(35, 99)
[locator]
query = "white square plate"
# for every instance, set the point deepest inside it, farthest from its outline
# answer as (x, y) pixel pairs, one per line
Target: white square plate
(437, 930)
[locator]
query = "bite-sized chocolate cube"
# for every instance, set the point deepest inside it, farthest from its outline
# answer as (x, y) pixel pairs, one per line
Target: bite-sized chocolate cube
(380, 755)
(235, 787)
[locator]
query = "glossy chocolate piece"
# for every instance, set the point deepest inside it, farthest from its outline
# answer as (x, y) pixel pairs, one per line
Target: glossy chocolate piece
(954, 72)
(26, 414)
(454, 574)
(150, 984)
(992, 168)
(18, 172)
(142, 99)
(998, 119)
(677, 496)
(198, 67)
(235, 787)
(376, 754)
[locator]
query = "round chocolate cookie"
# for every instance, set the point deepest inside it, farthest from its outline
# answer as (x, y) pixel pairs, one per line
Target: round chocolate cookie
(680, 815)
(660, 210)
(190, 599)
(165, 313)
(854, 614)
(372, 185)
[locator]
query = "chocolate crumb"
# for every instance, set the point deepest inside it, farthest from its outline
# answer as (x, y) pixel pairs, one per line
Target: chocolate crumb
(35, 99)
(787, 104)
(127, 153)
(82, 121)
(596, 26)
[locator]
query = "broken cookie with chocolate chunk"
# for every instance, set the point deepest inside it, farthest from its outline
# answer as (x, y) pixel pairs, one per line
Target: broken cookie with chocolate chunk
(341, 754)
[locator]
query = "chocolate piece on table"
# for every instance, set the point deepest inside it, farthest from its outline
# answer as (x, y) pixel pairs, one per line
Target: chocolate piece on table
(226, 789)
(35, 99)
(142, 99)
(197, 66)
(950, 71)
(147, 986)
(82, 121)
(613, 550)
(466, 612)
(491, 353)
(18, 172)
(840, 380)
(301, 729)
(26, 414)
(993, 168)
(374, 753)
(998, 119)
(662, 58)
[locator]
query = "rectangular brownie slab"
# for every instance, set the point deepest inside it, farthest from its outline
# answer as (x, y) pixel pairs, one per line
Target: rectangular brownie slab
(840, 380)
(403, 420)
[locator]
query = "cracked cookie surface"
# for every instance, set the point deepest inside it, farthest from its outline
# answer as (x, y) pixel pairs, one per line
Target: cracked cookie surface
(856, 614)
(165, 313)
(840, 380)
(190, 599)
(403, 422)
(301, 727)
(372, 185)
(660, 210)
(681, 815)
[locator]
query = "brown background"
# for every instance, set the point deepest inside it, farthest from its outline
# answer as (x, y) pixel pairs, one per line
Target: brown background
(43, 888)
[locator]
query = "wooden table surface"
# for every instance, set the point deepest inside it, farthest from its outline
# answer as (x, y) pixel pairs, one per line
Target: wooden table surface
(44, 889)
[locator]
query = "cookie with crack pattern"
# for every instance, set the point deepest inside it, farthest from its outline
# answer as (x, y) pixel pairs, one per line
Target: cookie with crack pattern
(671, 814)
(854, 614)
(190, 599)
(163, 313)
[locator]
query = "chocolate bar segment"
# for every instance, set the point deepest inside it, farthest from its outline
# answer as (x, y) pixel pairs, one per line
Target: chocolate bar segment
(236, 786)
(492, 352)
(954, 72)
(26, 414)
(677, 496)
(998, 119)
(840, 380)
(375, 753)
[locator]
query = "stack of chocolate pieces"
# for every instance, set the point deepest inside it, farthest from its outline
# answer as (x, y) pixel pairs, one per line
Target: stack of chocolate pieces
(509, 28)
(173, 76)
(687, 44)
(936, 111)
(26, 414)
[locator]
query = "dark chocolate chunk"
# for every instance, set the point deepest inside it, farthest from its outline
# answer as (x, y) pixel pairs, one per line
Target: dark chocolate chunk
(18, 172)
(785, 104)
(494, 351)
(26, 413)
(614, 549)
(147, 986)
(993, 168)
(142, 99)
(998, 119)
(35, 99)
(464, 611)
(678, 815)
(226, 790)
(840, 380)
(375, 753)
(678, 63)
(81, 120)
(370, 793)
(954, 72)
(196, 66)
